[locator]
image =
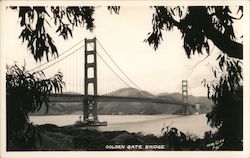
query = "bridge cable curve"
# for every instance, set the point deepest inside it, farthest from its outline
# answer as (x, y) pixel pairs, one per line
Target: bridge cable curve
(121, 69)
(62, 58)
(57, 56)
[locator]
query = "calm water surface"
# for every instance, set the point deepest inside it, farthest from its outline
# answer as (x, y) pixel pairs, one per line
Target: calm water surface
(146, 124)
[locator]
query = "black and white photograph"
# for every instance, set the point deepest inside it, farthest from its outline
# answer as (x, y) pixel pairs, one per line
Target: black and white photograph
(124, 79)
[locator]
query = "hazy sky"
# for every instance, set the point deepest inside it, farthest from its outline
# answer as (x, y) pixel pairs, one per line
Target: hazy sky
(122, 36)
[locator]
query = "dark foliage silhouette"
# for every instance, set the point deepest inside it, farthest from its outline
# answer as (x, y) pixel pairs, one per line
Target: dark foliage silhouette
(227, 95)
(26, 92)
(198, 24)
(39, 42)
(35, 20)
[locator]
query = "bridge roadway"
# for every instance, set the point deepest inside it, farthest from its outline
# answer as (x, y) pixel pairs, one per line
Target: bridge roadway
(103, 98)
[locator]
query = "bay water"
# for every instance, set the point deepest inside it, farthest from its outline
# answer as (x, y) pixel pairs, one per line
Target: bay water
(146, 124)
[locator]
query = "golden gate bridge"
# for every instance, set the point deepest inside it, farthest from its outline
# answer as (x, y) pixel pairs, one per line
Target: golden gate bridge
(89, 91)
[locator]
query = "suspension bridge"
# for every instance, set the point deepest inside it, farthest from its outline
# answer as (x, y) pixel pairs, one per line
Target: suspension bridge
(85, 87)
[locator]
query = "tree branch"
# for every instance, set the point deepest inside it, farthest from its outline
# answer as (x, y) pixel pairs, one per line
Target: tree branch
(226, 45)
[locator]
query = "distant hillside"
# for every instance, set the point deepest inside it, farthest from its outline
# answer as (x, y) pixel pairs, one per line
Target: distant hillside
(129, 108)
(131, 92)
(204, 102)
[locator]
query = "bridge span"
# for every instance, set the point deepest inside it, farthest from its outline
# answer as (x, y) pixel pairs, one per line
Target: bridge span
(91, 97)
(103, 98)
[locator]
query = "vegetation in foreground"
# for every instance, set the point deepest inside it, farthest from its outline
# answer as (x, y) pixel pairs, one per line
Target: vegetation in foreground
(50, 137)
(26, 92)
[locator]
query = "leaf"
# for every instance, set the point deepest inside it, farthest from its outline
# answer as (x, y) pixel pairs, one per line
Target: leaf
(240, 9)
(58, 29)
(114, 9)
(162, 129)
(218, 57)
(215, 75)
(70, 32)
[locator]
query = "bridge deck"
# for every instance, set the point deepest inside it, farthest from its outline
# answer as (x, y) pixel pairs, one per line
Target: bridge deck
(80, 98)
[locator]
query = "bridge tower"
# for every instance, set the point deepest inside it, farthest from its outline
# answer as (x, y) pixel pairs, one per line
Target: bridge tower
(90, 81)
(185, 94)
